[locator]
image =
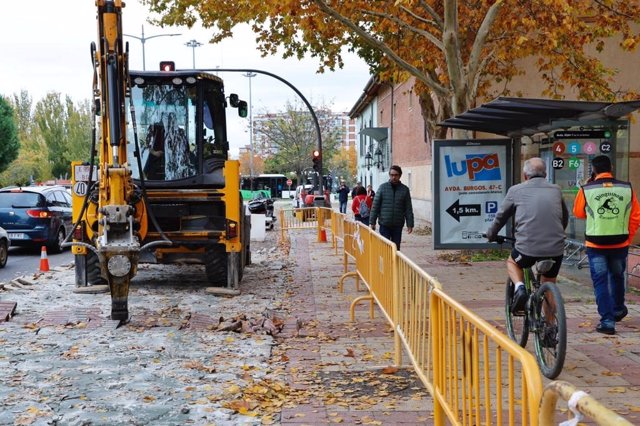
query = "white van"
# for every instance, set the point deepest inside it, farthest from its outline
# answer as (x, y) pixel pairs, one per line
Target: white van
(319, 200)
(297, 198)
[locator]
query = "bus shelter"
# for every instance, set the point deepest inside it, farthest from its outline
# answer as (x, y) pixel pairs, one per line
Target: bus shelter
(566, 134)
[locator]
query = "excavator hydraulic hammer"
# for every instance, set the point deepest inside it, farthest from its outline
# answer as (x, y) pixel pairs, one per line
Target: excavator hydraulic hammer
(116, 242)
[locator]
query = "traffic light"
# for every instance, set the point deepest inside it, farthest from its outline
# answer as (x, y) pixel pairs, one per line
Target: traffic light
(316, 160)
(167, 66)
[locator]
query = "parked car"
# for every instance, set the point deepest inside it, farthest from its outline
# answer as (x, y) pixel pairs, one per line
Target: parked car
(34, 216)
(5, 242)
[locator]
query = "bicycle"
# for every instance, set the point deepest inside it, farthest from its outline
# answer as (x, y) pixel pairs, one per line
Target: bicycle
(544, 316)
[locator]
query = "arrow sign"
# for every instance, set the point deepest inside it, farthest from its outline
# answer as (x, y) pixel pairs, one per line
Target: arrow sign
(456, 210)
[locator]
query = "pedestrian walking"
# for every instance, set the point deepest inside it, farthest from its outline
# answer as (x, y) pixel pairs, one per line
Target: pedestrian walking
(354, 191)
(370, 192)
(612, 212)
(343, 196)
(392, 207)
(361, 206)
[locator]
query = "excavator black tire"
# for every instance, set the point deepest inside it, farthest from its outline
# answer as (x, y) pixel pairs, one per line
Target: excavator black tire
(94, 276)
(215, 266)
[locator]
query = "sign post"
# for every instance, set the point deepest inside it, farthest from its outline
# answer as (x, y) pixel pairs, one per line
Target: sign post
(471, 177)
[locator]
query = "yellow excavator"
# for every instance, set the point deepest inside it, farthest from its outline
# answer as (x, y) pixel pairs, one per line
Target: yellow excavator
(159, 187)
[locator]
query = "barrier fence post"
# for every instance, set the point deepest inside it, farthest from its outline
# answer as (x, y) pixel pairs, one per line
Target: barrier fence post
(397, 316)
(282, 225)
(437, 368)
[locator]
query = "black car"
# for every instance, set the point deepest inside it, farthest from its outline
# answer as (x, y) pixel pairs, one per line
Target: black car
(34, 216)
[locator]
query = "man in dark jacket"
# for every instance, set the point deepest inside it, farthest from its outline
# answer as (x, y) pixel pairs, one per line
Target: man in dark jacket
(392, 207)
(343, 196)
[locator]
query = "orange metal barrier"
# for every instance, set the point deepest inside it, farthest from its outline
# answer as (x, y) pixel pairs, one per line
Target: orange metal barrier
(324, 223)
(480, 376)
(337, 229)
(361, 252)
(376, 266)
(349, 253)
(303, 218)
(580, 403)
(475, 373)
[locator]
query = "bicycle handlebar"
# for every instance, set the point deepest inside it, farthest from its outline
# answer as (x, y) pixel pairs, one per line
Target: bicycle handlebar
(501, 239)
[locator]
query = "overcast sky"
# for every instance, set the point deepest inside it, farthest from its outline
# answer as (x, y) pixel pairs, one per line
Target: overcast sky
(45, 47)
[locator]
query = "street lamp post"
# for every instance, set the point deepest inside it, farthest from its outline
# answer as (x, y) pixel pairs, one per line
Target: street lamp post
(250, 75)
(193, 44)
(143, 39)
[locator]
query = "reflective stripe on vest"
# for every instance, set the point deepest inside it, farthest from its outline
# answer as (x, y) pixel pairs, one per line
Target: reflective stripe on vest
(608, 209)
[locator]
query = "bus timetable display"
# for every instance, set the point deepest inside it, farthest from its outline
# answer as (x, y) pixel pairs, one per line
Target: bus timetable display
(577, 144)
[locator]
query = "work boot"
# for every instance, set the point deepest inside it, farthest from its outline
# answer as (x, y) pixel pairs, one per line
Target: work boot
(605, 329)
(519, 301)
(620, 315)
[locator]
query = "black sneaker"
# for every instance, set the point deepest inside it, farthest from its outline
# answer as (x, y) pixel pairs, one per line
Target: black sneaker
(519, 300)
(550, 339)
(619, 316)
(601, 328)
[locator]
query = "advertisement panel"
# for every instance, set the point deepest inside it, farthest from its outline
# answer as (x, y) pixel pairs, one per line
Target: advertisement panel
(471, 178)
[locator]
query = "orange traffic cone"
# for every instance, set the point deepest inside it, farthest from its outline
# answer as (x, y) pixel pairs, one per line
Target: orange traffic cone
(44, 261)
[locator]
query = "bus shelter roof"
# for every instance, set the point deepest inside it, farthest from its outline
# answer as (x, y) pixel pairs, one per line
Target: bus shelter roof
(515, 117)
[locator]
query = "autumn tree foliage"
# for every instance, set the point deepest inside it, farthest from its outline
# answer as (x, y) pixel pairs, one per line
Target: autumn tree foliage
(457, 50)
(246, 163)
(9, 142)
(344, 165)
(292, 135)
(52, 132)
(32, 163)
(66, 130)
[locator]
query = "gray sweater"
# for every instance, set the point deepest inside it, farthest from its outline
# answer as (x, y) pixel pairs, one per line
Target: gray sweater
(540, 217)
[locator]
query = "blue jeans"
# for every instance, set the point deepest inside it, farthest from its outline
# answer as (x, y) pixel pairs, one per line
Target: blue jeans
(394, 234)
(607, 268)
(343, 206)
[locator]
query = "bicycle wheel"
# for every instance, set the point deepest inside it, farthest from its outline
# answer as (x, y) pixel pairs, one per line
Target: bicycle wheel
(517, 325)
(551, 330)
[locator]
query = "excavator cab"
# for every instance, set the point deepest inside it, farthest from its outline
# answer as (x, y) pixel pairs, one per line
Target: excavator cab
(180, 126)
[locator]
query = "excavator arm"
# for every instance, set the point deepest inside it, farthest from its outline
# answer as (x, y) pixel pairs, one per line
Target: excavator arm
(116, 239)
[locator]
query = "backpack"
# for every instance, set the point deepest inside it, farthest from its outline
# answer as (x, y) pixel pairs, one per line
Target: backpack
(364, 208)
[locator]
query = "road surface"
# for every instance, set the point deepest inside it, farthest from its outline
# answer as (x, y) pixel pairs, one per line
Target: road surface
(23, 261)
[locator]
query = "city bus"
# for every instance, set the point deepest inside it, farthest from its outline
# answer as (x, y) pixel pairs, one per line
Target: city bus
(275, 183)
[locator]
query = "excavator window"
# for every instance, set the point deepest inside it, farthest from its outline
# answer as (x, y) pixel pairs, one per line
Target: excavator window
(181, 128)
(165, 115)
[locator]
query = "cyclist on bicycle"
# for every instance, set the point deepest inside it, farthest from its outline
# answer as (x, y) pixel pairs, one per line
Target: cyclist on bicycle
(540, 217)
